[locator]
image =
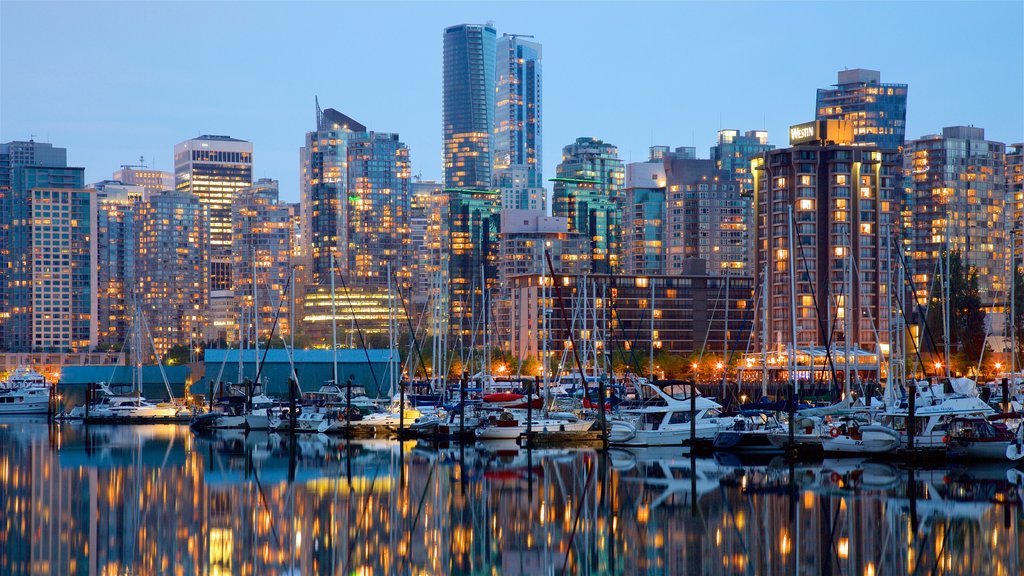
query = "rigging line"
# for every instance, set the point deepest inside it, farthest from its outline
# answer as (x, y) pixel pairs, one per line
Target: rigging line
(359, 331)
(362, 517)
(821, 325)
(579, 509)
(625, 337)
(924, 318)
(423, 498)
(266, 349)
(415, 340)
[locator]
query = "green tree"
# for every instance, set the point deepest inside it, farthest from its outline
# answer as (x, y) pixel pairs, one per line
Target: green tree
(966, 317)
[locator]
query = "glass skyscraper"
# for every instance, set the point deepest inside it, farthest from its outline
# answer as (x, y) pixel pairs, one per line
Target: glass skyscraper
(468, 105)
(733, 152)
(115, 259)
(517, 124)
(877, 111)
(587, 191)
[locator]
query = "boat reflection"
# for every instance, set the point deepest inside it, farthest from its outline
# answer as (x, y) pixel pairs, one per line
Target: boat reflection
(160, 500)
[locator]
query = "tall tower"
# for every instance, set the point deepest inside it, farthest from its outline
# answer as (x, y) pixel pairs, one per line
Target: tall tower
(215, 168)
(587, 191)
(877, 111)
(115, 259)
(517, 124)
(468, 105)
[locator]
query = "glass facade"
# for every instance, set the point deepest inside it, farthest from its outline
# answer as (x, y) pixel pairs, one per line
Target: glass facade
(473, 246)
(517, 124)
(588, 191)
(115, 260)
(878, 111)
(958, 203)
(468, 105)
(733, 152)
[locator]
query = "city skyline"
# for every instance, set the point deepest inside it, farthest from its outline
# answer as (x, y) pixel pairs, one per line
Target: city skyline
(115, 127)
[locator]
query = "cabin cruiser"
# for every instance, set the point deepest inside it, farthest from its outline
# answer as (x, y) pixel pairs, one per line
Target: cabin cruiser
(751, 434)
(24, 392)
(657, 418)
(135, 409)
(236, 410)
(933, 410)
(979, 438)
(808, 432)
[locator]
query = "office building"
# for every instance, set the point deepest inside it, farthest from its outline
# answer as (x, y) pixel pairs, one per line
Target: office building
(1015, 190)
(50, 294)
(733, 151)
(517, 124)
(587, 191)
(428, 233)
(214, 168)
(150, 179)
(842, 200)
(173, 268)
(262, 249)
(468, 105)
(877, 111)
(958, 198)
(115, 259)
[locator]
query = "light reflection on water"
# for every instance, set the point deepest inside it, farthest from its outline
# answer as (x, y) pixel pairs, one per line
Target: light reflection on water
(158, 500)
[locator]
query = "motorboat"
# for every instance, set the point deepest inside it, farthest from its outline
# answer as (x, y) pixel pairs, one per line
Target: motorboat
(509, 425)
(662, 419)
(933, 410)
(979, 438)
(25, 392)
(849, 435)
(750, 435)
(808, 432)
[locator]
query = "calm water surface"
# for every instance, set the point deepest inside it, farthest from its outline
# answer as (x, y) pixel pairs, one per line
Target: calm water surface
(160, 500)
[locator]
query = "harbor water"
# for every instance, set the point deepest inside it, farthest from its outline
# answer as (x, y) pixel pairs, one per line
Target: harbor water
(141, 500)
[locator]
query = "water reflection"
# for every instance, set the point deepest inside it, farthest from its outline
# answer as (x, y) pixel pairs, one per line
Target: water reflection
(159, 500)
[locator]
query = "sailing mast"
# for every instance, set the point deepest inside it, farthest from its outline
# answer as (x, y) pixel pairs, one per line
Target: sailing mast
(792, 309)
(334, 325)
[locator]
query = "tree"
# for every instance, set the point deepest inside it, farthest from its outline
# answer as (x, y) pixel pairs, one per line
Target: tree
(966, 317)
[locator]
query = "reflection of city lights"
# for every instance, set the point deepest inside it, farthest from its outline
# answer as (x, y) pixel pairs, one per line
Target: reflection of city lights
(844, 547)
(784, 544)
(869, 570)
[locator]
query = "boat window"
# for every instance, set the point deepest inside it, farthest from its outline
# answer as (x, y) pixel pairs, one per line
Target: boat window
(653, 419)
(679, 418)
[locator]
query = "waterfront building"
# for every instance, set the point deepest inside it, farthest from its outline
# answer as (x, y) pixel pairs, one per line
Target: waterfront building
(958, 198)
(468, 105)
(173, 268)
(877, 111)
(262, 249)
(517, 124)
(115, 259)
(150, 179)
(687, 312)
(362, 314)
(214, 168)
(587, 191)
(844, 200)
(643, 215)
(1015, 191)
(50, 302)
(733, 151)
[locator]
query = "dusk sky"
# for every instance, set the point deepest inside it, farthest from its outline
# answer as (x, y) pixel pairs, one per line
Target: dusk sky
(115, 81)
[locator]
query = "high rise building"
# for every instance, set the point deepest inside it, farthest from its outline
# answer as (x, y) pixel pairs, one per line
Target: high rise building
(428, 233)
(958, 198)
(50, 293)
(844, 201)
(473, 226)
(262, 249)
(468, 105)
(517, 124)
(878, 112)
(377, 214)
(152, 180)
(1015, 190)
(214, 168)
(324, 188)
(12, 155)
(587, 191)
(643, 215)
(706, 217)
(115, 259)
(173, 268)
(733, 151)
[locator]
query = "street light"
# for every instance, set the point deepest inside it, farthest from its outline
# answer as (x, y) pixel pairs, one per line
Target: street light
(718, 366)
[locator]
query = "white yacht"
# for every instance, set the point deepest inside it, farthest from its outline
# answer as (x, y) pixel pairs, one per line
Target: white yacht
(661, 419)
(511, 424)
(24, 392)
(933, 411)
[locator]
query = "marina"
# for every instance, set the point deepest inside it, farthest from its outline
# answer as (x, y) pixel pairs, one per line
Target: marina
(156, 499)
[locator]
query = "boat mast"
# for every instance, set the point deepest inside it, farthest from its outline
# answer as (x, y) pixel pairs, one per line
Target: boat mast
(764, 332)
(792, 307)
(334, 325)
(1013, 304)
(847, 313)
(650, 359)
(255, 321)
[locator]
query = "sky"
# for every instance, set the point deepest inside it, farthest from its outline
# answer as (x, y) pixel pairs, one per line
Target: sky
(115, 81)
